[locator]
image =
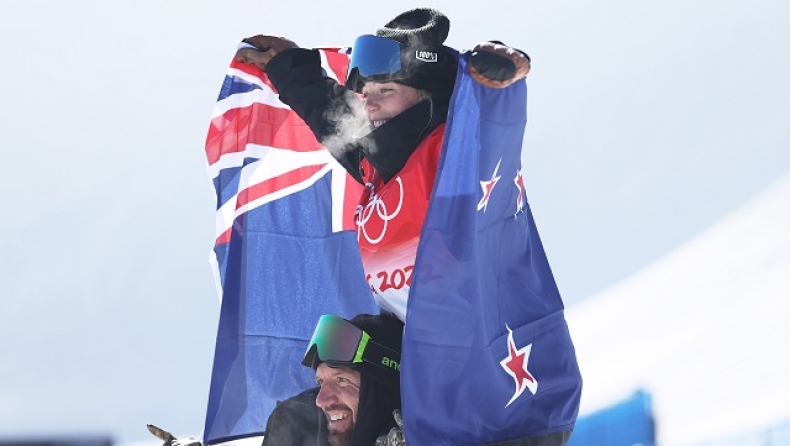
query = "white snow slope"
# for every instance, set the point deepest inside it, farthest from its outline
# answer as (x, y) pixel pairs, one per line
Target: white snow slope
(705, 329)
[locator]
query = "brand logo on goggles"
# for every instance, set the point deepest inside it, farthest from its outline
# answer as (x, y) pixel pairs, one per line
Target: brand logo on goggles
(390, 363)
(426, 56)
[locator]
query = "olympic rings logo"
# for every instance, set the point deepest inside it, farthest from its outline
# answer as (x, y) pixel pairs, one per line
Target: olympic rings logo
(376, 206)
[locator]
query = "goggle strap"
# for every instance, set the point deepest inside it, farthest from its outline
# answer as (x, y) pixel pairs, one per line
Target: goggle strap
(376, 353)
(363, 343)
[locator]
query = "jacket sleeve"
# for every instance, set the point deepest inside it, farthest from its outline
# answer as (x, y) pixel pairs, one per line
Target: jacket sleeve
(296, 421)
(333, 112)
(324, 104)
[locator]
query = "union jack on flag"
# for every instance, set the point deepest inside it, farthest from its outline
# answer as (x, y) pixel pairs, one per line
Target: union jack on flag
(284, 251)
(259, 150)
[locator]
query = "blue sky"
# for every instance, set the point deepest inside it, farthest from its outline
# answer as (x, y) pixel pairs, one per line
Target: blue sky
(647, 123)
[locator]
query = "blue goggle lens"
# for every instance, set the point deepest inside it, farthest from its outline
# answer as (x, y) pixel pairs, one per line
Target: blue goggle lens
(374, 56)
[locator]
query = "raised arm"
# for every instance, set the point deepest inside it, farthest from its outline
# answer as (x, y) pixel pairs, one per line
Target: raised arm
(333, 113)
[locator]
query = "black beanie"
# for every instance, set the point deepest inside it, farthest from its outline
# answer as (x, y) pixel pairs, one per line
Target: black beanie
(379, 392)
(419, 27)
(429, 65)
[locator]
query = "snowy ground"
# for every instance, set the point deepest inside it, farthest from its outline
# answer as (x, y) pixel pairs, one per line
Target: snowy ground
(704, 329)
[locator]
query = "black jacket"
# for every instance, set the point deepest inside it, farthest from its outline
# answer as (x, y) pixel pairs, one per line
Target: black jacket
(297, 421)
(556, 439)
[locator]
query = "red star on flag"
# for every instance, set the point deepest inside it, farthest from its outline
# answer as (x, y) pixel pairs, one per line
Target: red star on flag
(519, 180)
(515, 364)
(488, 187)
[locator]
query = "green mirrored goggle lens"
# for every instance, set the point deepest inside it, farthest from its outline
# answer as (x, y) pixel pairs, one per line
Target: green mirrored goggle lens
(336, 340)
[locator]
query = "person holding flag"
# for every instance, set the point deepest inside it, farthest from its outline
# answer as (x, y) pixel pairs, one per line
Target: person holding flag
(391, 139)
(446, 246)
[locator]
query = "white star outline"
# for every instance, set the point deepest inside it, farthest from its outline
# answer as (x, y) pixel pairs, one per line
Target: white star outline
(519, 181)
(527, 380)
(488, 188)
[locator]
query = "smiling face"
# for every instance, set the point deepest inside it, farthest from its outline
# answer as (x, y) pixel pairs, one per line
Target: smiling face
(385, 100)
(339, 400)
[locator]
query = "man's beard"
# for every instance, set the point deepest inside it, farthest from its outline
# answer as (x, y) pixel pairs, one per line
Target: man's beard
(340, 438)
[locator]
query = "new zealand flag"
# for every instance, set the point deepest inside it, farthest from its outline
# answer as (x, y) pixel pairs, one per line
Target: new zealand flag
(487, 354)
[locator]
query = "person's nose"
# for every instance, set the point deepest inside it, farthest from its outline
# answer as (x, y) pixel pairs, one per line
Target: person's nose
(326, 396)
(372, 104)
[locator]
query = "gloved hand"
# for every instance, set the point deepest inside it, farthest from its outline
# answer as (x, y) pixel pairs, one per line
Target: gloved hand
(170, 440)
(497, 65)
(265, 47)
(395, 436)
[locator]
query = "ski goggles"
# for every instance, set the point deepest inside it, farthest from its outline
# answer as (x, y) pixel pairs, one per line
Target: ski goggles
(339, 343)
(373, 57)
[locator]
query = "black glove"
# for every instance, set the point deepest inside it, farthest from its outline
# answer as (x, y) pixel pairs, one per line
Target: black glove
(497, 65)
(265, 47)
